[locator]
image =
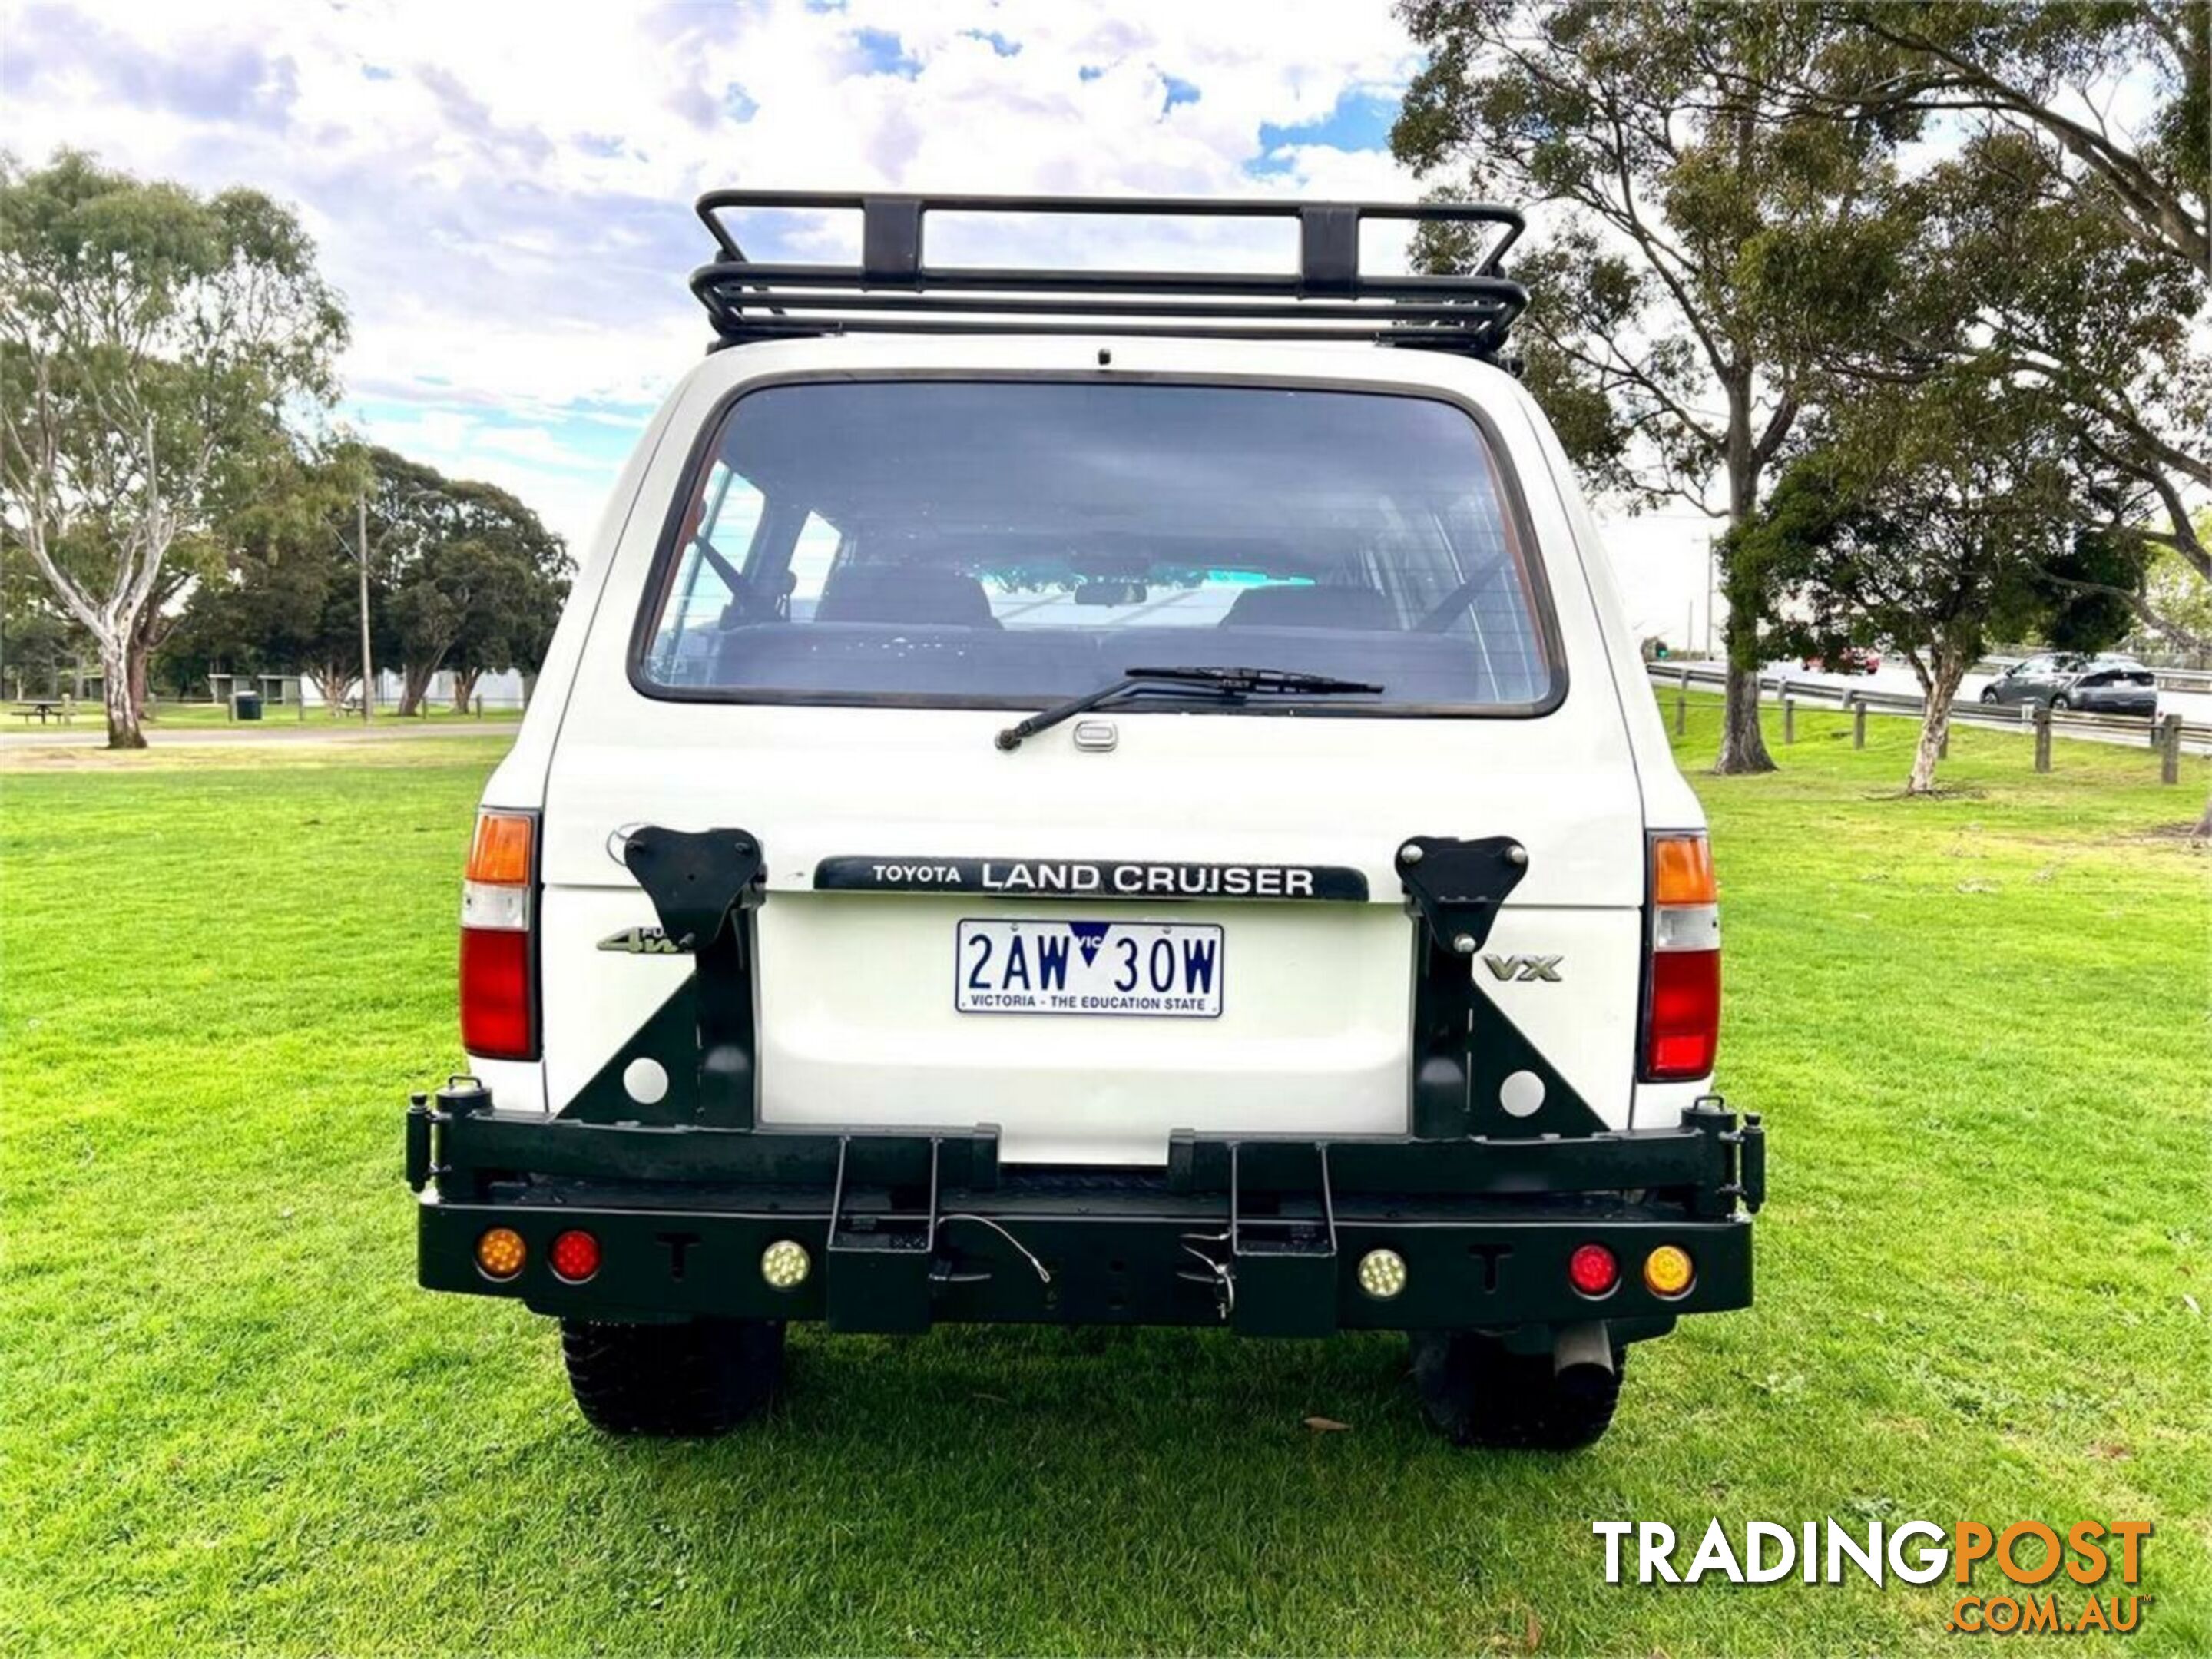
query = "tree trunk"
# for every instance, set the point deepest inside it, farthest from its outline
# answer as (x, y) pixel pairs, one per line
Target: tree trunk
(147, 634)
(331, 682)
(140, 656)
(1938, 685)
(465, 687)
(117, 667)
(414, 681)
(1743, 745)
(2204, 823)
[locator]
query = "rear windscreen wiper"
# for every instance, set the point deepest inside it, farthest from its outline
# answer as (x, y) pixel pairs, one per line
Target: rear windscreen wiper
(1231, 685)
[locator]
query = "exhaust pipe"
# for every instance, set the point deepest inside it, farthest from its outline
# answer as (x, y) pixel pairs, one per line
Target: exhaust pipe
(1581, 1358)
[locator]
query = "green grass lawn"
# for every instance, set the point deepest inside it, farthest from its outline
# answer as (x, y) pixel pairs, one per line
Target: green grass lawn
(1977, 1025)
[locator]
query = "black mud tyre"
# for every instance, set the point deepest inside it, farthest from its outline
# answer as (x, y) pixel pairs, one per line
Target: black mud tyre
(1474, 1393)
(2061, 703)
(675, 1380)
(1989, 694)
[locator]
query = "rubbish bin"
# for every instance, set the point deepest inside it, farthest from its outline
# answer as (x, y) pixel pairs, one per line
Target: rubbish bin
(247, 705)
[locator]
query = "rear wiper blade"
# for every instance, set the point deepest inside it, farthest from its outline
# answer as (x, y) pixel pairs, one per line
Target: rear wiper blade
(1229, 684)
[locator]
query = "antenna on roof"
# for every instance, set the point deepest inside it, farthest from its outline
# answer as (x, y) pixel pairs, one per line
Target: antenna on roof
(894, 290)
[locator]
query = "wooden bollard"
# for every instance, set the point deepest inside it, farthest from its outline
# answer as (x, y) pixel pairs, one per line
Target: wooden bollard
(2043, 737)
(1788, 718)
(1682, 703)
(1858, 722)
(2169, 750)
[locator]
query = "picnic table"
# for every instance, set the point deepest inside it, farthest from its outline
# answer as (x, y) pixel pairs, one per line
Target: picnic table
(43, 710)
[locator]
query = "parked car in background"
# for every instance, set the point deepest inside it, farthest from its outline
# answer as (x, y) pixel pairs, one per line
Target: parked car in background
(2069, 680)
(1849, 659)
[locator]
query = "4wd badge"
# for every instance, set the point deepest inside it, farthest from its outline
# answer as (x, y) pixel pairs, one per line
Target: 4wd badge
(646, 942)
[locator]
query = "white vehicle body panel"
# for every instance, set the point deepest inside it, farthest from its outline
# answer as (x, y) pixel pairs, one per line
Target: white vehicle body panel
(854, 999)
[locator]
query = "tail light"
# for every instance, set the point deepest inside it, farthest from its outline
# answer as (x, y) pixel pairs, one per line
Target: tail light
(1593, 1269)
(1682, 996)
(499, 1015)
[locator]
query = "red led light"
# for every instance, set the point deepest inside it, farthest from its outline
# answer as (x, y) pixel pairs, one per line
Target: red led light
(1591, 1268)
(574, 1256)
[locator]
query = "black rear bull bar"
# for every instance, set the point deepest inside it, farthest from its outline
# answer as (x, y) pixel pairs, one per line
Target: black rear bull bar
(909, 1227)
(912, 1225)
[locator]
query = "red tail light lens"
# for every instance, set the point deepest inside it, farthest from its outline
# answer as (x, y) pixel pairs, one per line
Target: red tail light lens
(1682, 983)
(574, 1255)
(495, 994)
(1682, 1030)
(1592, 1270)
(498, 1013)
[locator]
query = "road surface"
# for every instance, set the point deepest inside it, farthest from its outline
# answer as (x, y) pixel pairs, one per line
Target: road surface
(91, 732)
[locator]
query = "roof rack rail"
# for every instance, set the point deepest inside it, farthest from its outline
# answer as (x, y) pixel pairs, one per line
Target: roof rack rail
(893, 291)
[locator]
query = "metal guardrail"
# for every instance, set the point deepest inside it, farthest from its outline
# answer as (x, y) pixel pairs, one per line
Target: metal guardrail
(2167, 734)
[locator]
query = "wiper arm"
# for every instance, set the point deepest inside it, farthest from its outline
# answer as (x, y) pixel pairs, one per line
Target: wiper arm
(1229, 684)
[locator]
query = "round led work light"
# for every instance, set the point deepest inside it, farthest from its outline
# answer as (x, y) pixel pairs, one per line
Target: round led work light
(785, 1265)
(1383, 1273)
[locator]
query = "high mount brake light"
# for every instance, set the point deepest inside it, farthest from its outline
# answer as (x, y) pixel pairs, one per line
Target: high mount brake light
(499, 1018)
(1682, 994)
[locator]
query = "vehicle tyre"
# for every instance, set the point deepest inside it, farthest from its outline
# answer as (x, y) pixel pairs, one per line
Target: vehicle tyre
(701, 1378)
(1988, 694)
(2061, 701)
(1476, 1394)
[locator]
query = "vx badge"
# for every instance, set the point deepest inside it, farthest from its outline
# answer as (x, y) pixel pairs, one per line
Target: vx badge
(1521, 969)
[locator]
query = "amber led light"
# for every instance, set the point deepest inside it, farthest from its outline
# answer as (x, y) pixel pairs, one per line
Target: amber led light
(501, 1253)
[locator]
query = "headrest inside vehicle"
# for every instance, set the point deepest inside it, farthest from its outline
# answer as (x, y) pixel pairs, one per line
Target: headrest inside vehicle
(904, 593)
(1298, 605)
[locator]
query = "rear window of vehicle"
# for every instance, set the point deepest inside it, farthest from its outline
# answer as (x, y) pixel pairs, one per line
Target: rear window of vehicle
(998, 544)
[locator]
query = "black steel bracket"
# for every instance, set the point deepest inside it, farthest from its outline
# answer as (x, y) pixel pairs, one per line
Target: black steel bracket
(1460, 885)
(704, 885)
(1743, 1156)
(1464, 1047)
(879, 1264)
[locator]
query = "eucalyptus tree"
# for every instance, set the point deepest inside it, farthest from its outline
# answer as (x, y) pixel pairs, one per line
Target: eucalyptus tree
(154, 345)
(2072, 179)
(1698, 232)
(1922, 519)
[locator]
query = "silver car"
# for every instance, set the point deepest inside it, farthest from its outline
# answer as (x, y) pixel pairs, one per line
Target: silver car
(2069, 680)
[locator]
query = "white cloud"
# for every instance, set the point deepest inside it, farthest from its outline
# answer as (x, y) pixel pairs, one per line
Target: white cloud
(503, 191)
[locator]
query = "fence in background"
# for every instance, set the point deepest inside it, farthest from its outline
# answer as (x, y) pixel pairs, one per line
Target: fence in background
(2168, 736)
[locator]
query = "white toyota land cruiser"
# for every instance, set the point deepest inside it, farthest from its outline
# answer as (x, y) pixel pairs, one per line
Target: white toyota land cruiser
(1093, 797)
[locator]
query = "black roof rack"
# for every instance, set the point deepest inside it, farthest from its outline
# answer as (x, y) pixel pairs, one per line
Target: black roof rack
(893, 291)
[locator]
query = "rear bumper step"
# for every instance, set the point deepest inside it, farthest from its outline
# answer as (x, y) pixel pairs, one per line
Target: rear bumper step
(1269, 1236)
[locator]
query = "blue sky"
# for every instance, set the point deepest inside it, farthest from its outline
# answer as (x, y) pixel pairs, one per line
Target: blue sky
(502, 192)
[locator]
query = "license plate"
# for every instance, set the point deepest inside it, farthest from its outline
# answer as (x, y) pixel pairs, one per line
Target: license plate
(1171, 970)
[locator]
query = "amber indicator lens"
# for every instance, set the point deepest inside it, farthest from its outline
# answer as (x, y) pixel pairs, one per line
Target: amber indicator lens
(1667, 1271)
(501, 1253)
